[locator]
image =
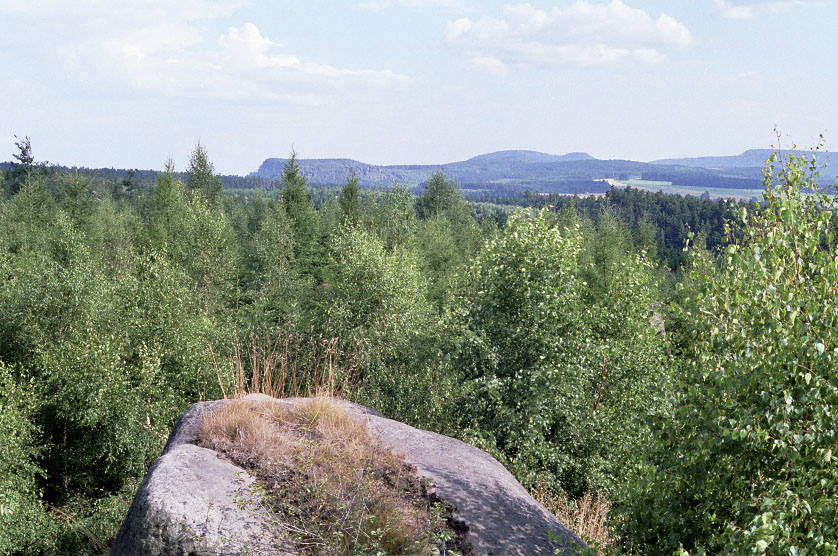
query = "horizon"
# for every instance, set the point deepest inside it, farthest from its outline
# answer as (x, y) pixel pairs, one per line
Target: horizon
(407, 82)
(303, 159)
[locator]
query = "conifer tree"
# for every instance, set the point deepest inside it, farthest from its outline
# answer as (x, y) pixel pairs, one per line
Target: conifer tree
(296, 201)
(23, 167)
(201, 175)
(441, 195)
(350, 200)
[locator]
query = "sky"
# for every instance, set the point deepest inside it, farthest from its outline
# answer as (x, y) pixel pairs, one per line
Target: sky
(100, 83)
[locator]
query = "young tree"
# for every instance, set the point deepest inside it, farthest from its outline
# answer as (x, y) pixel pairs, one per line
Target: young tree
(395, 216)
(24, 166)
(305, 224)
(350, 200)
(746, 464)
(197, 238)
(23, 518)
(555, 381)
(440, 195)
(377, 304)
(277, 284)
(200, 175)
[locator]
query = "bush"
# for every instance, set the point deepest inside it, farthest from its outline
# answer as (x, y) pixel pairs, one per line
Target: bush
(746, 462)
(22, 516)
(555, 381)
(377, 303)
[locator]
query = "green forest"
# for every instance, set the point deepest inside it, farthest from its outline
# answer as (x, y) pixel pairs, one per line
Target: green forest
(673, 356)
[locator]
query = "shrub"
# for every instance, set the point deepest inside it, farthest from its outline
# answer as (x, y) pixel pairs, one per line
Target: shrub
(746, 462)
(23, 521)
(377, 303)
(556, 382)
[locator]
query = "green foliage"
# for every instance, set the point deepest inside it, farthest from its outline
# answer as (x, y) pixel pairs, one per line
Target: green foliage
(441, 195)
(745, 464)
(200, 175)
(112, 354)
(197, 238)
(395, 217)
(606, 247)
(556, 382)
(23, 168)
(377, 295)
(122, 304)
(113, 340)
(278, 283)
(305, 223)
(445, 246)
(665, 221)
(350, 200)
(22, 516)
(377, 302)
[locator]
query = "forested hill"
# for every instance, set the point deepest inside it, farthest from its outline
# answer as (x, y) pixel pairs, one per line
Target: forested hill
(752, 158)
(749, 164)
(510, 172)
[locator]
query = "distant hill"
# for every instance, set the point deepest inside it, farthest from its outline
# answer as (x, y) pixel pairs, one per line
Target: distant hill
(750, 158)
(750, 163)
(516, 171)
(527, 157)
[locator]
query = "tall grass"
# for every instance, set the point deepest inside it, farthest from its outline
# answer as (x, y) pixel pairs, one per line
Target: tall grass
(586, 517)
(286, 364)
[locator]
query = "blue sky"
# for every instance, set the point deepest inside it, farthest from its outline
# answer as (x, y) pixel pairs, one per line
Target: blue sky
(128, 84)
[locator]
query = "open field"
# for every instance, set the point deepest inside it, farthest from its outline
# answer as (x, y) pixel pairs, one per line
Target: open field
(669, 187)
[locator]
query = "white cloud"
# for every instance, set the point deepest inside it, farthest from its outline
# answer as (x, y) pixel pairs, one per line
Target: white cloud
(160, 47)
(751, 9)
(583, 33)
(488, 64)
(247, 49)
(380, 5)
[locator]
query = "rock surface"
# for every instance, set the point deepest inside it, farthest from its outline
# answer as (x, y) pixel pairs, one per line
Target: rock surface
(502, 518)
(187, 504)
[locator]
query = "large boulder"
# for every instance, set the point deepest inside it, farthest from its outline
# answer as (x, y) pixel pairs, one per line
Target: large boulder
(190, 502)
(193, 503)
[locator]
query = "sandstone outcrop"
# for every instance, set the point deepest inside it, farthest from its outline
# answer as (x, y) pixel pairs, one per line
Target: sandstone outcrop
(194, 503)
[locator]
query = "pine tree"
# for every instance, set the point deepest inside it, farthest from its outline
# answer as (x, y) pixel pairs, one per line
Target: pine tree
(441, 195)
(24, 166)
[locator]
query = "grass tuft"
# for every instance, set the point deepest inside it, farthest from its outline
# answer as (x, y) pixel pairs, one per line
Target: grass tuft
(283, 364)
(334, 488)
(586, 517)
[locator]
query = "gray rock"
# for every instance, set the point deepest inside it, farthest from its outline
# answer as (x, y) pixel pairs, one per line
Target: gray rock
(502, 518)
(187, 504)
(193, 503)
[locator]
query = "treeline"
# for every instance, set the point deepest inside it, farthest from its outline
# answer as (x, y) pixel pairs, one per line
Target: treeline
(553, 338)
(660, 223)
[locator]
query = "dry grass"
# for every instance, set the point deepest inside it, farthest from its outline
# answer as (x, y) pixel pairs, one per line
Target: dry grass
(282, 364)
(336, 489)
(585, 517)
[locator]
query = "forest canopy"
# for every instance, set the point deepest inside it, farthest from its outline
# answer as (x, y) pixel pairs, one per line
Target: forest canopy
(673, 355)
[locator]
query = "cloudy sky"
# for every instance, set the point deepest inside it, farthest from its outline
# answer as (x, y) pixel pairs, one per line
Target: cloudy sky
(128, 84)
